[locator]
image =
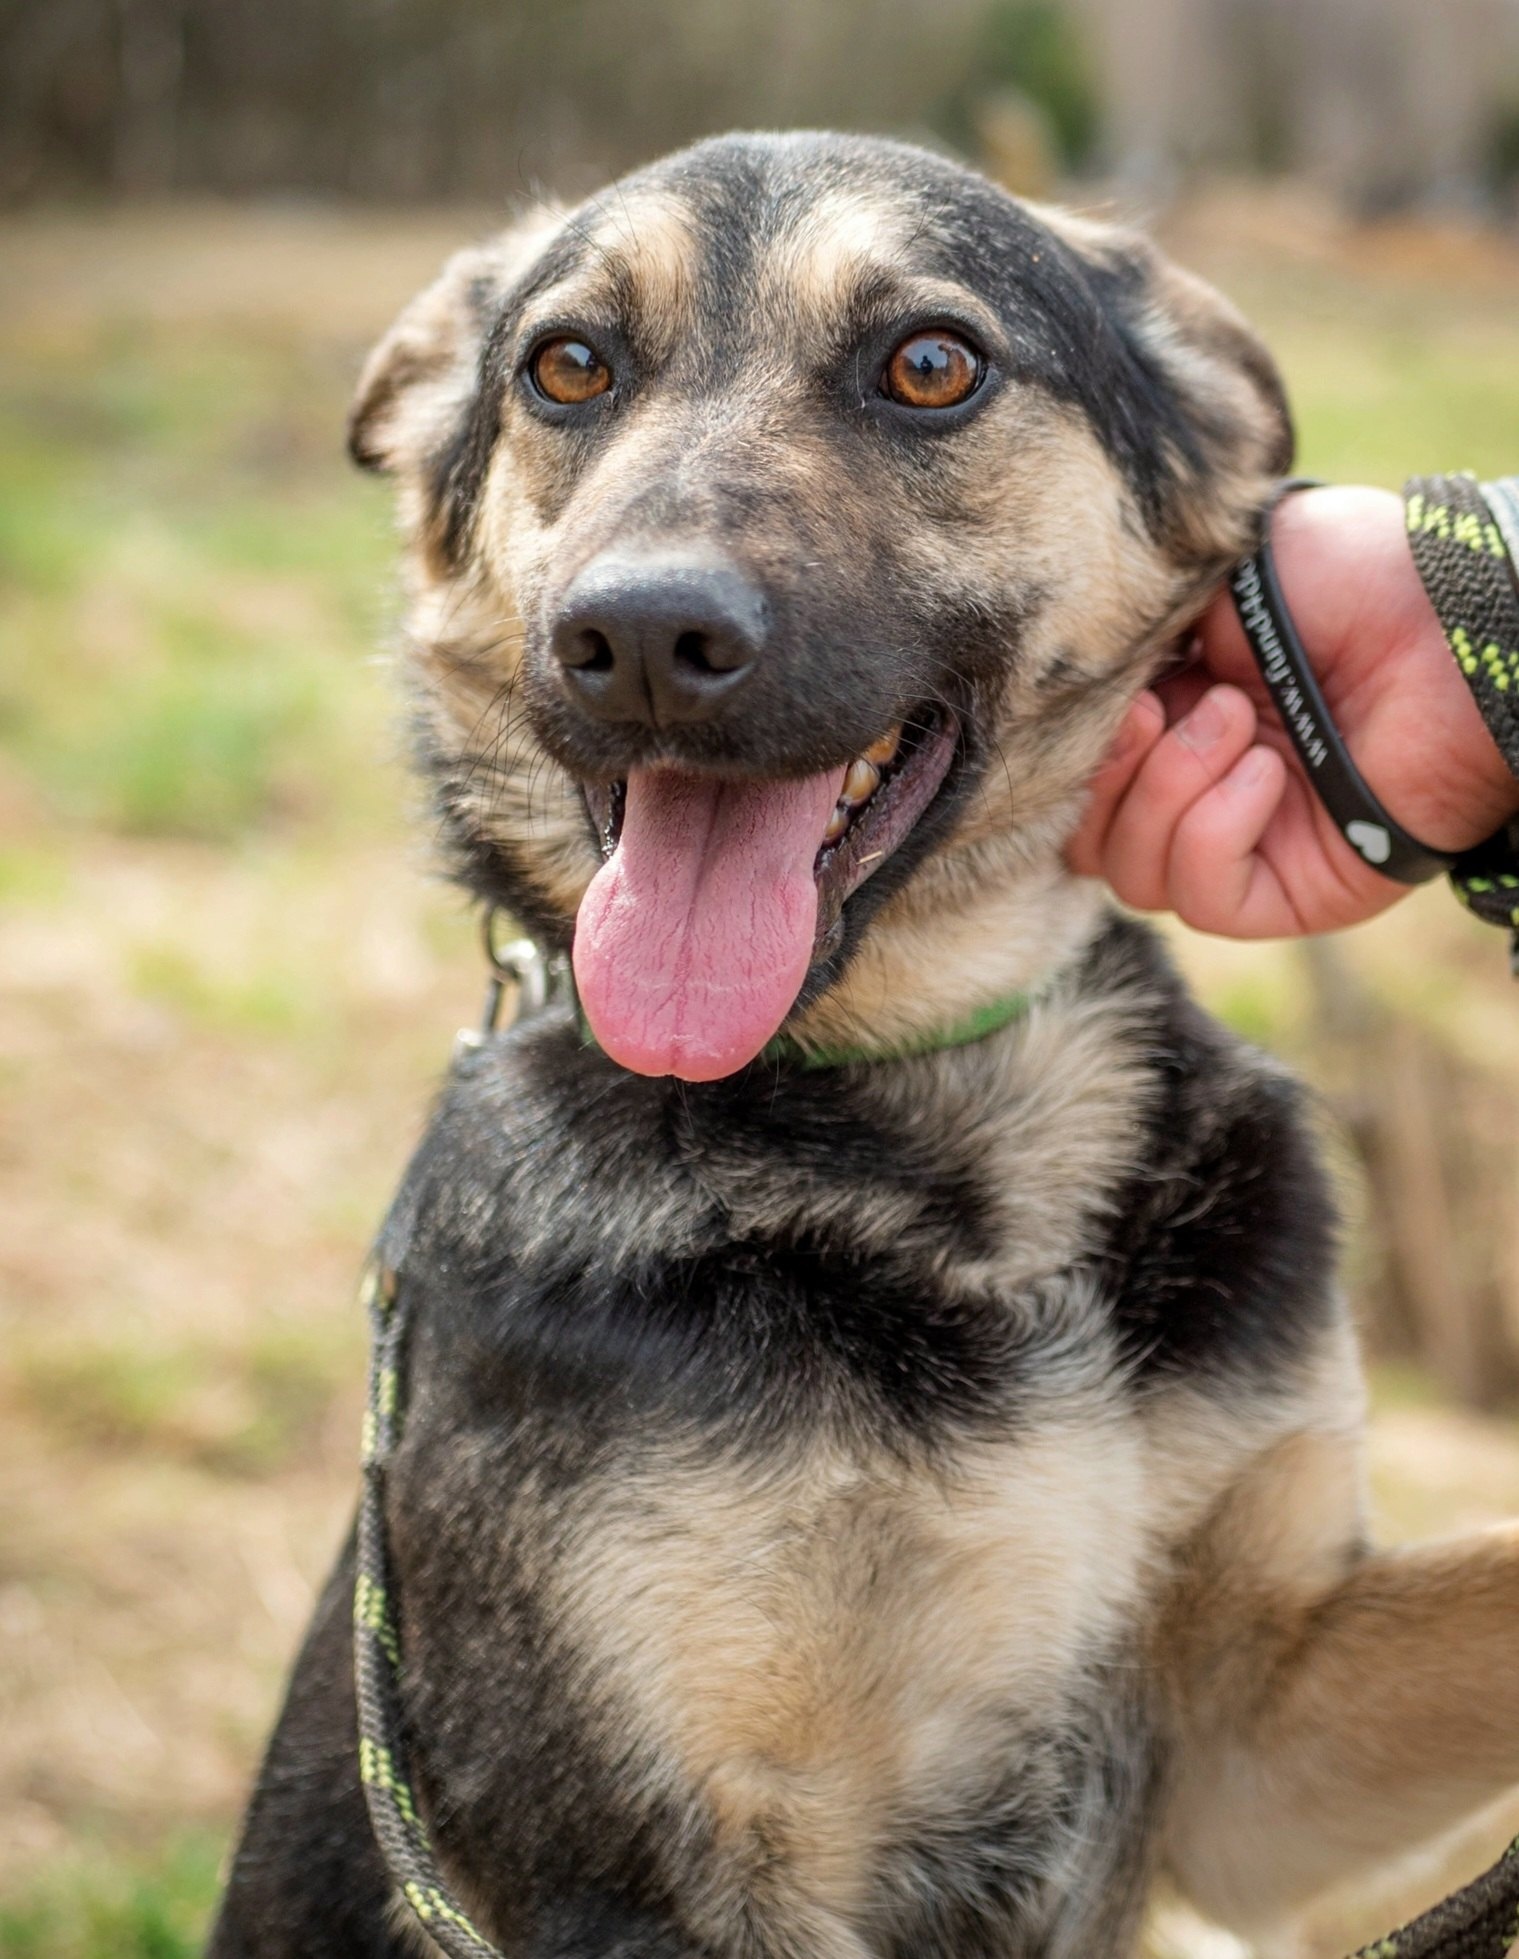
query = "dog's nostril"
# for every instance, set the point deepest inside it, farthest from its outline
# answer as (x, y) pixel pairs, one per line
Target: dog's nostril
(693, 652)
(591, 653)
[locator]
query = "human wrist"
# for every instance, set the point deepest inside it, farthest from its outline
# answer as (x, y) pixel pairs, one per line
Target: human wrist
(1467, 788)
(1376, 646)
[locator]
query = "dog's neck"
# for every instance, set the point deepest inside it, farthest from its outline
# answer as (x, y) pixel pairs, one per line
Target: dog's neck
(927, 970)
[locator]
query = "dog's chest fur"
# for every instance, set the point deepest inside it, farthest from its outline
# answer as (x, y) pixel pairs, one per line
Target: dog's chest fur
(786, 1496)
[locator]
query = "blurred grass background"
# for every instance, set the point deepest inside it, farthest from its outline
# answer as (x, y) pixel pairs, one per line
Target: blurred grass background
(228, 983)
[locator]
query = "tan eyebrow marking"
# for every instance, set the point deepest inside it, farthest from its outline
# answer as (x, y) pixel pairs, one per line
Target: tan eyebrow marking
(850, 239)
(838, 236)
(641, 252)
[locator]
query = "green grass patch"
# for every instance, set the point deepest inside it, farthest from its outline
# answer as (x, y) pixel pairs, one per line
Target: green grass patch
(1381, 406)
(295, 1370)
(111, 1393)
(1387, 377)
(32, 874)
(247, 1412)
(191, 583)
(1400, 1386)
(209, 751)
(1262, 1007)
(266, 1002)
(105, 1905)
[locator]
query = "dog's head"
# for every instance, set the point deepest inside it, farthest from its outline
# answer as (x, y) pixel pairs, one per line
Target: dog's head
(789, 526)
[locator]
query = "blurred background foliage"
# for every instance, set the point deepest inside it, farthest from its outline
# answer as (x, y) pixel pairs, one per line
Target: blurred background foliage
(1386, 101)
(226, 985)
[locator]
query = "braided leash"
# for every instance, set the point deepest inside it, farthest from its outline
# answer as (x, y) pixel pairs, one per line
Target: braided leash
(384, 1760)
(1480, 1921)
(384, 1767)
(1462, 556)
(1459, 533)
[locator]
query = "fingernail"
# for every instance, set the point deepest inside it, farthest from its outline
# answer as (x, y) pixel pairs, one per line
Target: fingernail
(1130, 735)
(1205, 725)
(1251, 769)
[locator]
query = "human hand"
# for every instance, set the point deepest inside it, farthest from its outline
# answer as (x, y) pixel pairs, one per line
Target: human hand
(1202, 807)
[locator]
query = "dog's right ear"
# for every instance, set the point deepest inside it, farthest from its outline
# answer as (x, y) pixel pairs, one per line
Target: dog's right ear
(419, 384)
(417, 379)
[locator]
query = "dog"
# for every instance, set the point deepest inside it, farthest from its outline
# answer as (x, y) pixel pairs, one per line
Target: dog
(883, 1468)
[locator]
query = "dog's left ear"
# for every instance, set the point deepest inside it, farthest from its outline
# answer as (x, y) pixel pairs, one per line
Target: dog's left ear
(1213, 431)
(1235, 404)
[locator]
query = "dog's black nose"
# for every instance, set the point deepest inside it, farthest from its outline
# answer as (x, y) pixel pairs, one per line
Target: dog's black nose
(658, 640)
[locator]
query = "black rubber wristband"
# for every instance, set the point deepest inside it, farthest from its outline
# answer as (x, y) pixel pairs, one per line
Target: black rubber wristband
(1375, 836)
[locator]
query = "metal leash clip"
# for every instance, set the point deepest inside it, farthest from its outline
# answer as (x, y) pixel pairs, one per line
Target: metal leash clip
(538, 980)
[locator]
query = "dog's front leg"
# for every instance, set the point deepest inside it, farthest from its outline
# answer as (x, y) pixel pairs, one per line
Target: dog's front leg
(1381, 1712)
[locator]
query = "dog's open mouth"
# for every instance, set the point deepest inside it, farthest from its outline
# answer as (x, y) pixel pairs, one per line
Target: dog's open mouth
(717, 894)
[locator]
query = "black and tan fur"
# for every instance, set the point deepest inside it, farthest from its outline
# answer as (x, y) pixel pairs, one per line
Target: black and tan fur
(891, 1512)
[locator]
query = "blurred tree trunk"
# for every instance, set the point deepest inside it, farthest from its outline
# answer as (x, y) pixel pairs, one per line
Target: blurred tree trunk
(151, 64)
(1438, 1275)
(431, 98)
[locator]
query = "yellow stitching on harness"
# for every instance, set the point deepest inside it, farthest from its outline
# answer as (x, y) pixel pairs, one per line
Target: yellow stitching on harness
(1499, 663)
(1465, 527)
(377, 1288)
(369, 1610)
(377, 1769)
(429, 1904)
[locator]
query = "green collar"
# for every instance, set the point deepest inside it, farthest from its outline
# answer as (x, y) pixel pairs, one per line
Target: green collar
(540, 981)
(975, 1026)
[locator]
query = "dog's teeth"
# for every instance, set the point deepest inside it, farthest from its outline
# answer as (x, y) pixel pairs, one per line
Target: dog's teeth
(883, 751)
(862, 781)
(838, 823)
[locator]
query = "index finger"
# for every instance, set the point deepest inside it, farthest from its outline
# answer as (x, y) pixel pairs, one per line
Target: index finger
(1138, 733)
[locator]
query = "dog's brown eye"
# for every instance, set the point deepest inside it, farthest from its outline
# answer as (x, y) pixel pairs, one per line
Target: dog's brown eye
(932, 370)
(568, 371)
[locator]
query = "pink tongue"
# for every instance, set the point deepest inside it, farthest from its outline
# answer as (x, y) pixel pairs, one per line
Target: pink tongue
(693, 941)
